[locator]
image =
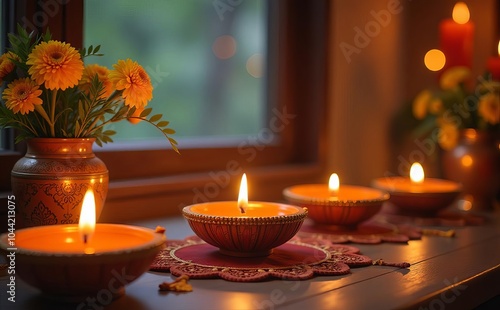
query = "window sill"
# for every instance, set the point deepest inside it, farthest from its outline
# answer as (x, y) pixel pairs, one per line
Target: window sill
(166, 196)
(148, 198)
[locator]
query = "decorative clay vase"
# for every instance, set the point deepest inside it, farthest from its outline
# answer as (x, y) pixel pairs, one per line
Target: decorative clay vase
(475, 162)
(50, 181)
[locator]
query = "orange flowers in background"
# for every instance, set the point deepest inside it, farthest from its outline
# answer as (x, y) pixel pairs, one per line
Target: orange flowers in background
(454, 107)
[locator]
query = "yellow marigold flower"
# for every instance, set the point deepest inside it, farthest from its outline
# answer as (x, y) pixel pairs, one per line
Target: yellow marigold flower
(89, 73)
(436, 106)
(131, 77)
(22, 95)
(56, 64)
(448, 135)
(454, 76)
(6, 64)
(489, 108)
(420, 104)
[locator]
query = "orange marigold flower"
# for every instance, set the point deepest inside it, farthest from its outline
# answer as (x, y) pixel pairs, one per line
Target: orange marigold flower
(56, 64)
(22, 95)
(6, 64)
(89, 73)
(489, 108)
(131, 77)
(448, 134)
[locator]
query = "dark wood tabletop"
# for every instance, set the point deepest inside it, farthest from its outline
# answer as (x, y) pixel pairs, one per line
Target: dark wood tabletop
(462, 272)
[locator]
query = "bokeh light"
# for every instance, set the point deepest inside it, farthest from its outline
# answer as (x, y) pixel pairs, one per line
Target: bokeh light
(461, 14)
(224, 47)
(255, 65)
(434, 60)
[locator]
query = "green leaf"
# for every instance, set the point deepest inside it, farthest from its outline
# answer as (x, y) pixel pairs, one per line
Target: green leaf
(77, 127)
(106, 139)
(168, 131)
(81, 111)
(131, 111)
(109, 132)
(146, 112)
(163, 124)
(155, 118)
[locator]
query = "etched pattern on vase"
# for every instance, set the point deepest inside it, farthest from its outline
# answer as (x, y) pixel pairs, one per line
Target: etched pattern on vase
(50, 181)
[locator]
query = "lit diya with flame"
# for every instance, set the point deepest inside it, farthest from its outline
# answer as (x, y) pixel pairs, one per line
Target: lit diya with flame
(418, 194)
(73, 262)
(337, 204)
(244, 228)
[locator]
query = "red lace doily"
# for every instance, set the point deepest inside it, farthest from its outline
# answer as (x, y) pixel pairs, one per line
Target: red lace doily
(444, 218)
(371, 232)
(292, 261)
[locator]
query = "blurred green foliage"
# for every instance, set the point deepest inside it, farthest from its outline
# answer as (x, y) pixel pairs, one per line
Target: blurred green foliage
(201, 94)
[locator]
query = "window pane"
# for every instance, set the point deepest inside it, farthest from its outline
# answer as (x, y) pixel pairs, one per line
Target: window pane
(2, 50)
(205, 59)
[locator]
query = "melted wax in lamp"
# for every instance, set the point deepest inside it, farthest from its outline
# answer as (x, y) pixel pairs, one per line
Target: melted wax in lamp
(334, 191)
(416, 183)
(87, 237)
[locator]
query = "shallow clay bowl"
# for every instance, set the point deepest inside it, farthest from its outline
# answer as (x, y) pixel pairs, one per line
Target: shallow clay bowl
(73, 277)
(326, 210)
(418, 202)
(222, 225)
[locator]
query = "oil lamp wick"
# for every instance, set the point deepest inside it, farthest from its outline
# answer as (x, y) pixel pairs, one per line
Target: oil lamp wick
(242, 209)
(85, 238)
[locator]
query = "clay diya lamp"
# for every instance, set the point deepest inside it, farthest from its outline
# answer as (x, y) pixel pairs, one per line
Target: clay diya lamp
(73, 262)
(417, 194)
(335, 204)
(244, 228)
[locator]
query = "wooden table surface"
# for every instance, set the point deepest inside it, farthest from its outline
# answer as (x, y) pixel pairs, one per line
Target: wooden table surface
(446, 273)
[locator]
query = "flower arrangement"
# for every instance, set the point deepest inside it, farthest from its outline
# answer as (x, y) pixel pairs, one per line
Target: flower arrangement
(454, 107)
(50, 92)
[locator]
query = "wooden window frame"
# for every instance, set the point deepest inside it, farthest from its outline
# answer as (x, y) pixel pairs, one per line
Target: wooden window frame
(158, 182)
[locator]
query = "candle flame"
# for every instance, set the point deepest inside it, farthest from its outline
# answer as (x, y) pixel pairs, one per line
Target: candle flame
(498, 48)
(243, 194)
(86, 224)
(334, 184)
(460, 13)
(417, 173)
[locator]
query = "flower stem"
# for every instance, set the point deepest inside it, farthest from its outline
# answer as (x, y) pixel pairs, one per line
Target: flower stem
(41, 111)
(53, 113)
